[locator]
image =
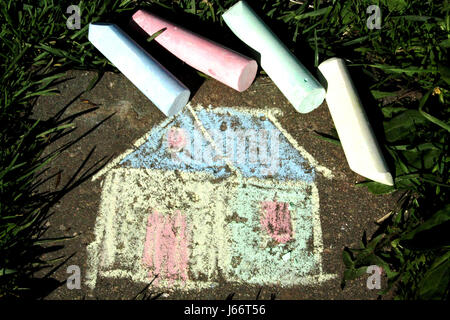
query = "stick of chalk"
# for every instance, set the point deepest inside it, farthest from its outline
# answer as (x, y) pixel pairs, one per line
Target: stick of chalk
(302, 90)
(147, 74)
(358, 141)
(217, 61)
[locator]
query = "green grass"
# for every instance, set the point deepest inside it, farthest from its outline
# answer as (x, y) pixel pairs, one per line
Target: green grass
(404, 73)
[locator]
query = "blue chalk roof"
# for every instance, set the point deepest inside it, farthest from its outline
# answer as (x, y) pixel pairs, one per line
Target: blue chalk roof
(252, 143)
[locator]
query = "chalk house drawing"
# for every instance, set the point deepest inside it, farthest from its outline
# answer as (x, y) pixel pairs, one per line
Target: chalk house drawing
(194, 208)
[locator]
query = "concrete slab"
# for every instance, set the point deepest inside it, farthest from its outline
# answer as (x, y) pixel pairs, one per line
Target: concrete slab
(298, 219)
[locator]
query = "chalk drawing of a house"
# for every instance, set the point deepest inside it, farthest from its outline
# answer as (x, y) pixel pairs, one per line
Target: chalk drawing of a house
(211, 195)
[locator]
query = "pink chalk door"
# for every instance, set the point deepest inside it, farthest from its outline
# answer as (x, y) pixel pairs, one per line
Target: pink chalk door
(166, 250)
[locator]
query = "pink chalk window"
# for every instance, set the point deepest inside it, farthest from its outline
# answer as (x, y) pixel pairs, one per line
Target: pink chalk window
(276, 220)
(177, 139)
(166, 249)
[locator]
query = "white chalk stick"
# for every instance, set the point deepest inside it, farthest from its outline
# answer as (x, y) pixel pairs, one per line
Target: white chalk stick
(360, 146)
(147, 74)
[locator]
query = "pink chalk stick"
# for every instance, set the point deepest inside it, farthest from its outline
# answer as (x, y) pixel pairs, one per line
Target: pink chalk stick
(215, 60)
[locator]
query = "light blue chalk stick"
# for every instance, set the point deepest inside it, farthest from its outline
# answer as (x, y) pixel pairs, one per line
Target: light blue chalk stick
(147, 74)
(302, 90)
